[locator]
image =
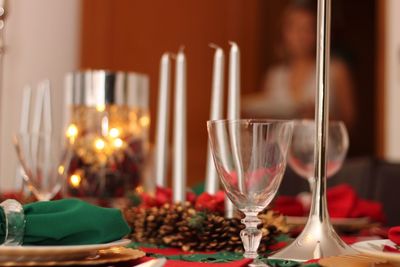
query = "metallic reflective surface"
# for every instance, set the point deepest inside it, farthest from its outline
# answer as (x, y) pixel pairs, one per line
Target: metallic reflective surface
(216, 113)
(162, 131)
(101, 87)
(318, 238)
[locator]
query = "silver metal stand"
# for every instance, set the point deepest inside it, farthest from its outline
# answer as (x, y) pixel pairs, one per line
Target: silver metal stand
(318, 238)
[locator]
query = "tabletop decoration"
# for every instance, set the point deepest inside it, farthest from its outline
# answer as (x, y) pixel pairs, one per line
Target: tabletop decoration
(198, 227)
(343, 202)
(69, 222)
(179, 138)
(216, 112)
(162, 130)
(107, 129)
(233, 104)
(179, 258)
(394, 236)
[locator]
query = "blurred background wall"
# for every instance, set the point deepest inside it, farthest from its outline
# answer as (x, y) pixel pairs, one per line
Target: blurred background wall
(132, 35)
(46, 38)
(42, 42)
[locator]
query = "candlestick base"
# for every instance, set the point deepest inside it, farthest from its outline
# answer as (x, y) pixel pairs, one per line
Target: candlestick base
(317, 240)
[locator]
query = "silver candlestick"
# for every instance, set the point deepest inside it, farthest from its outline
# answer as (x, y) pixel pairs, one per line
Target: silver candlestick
(318, 238)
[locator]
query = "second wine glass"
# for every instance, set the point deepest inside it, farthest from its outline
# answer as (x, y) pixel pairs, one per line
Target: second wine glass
(44, 159)
(301, 151)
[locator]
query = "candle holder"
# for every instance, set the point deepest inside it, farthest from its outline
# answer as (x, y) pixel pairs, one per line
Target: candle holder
(318, 238)
(107, 133)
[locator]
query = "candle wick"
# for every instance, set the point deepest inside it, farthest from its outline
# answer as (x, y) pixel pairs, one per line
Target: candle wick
(232, 43)
(212, 45)
(181, 49)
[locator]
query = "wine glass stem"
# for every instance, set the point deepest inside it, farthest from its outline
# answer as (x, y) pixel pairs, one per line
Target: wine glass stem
(251, 235)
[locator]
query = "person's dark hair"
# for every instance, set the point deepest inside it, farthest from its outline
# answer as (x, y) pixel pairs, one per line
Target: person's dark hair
(310, 6)
(306, 5)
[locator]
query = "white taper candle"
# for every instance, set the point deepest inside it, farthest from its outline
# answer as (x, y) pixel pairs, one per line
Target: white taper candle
(179, 161)
(233, 109)
(216, 112)
(162, 131)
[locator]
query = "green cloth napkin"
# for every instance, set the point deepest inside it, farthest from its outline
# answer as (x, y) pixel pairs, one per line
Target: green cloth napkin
(70, 222)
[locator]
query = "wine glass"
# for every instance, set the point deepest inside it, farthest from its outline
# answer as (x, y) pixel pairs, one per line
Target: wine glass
(301, 151)
(45, 160)
(250, 158)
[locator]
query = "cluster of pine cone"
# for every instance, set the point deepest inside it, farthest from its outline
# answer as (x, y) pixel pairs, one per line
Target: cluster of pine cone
(182, 226)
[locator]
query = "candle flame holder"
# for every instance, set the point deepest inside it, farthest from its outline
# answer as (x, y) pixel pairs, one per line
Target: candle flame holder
(107, 134)
(318, 238)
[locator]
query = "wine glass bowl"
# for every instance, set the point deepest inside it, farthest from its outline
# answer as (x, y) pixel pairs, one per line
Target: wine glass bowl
(44, 160)
(301, 150)
(250, 158)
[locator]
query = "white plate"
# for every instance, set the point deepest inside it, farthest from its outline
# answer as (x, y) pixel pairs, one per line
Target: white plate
(375, 248)
(55, 253)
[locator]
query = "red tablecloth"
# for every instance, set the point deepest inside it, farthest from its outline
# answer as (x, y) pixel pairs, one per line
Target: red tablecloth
(178, 263)
(239, 263)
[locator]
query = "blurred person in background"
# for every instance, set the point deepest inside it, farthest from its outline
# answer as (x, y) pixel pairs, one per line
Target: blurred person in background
(288, 90)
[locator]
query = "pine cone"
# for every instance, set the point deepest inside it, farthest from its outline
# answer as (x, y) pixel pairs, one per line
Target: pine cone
(181, 226)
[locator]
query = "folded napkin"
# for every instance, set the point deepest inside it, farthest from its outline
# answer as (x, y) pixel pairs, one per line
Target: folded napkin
(70, 222)
(343, 202)
(394, 236)
(289, 205)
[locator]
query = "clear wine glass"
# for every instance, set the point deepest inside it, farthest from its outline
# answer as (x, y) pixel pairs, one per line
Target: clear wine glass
(301, 151)
(250, 158)
(45, 159)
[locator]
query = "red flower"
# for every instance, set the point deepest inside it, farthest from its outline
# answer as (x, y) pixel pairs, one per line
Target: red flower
(191, 197)
(162, 196)
(212, 203)
(288, 205)
(12, 195)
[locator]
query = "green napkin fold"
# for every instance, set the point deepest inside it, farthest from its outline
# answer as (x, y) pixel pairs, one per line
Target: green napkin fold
(70, 222)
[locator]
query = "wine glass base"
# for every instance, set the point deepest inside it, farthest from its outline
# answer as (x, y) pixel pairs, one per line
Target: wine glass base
(250, 255)
(317, 240)
(258, 263)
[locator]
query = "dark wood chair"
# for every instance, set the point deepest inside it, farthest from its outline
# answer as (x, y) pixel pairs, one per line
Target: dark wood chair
(387, 190)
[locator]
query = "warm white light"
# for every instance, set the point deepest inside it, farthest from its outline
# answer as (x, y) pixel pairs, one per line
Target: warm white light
(144, 121)
(72, 131)
(61, 170)
(99, 144)
(118, 143)
(75, 180)
(100, 107)
(114, 132)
